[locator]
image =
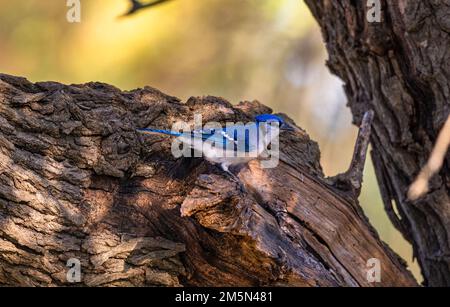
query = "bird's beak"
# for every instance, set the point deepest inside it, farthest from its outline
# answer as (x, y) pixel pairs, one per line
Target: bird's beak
(287, 127)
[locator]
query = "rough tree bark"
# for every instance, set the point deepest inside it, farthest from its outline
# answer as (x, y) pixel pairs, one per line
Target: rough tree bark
(400, 68)
(78, 181)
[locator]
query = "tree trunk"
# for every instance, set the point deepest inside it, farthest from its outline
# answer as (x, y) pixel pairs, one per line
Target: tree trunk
(78, 182)
(400, 68)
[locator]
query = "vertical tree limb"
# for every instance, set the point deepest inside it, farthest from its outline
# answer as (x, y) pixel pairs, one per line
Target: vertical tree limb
(400, 68)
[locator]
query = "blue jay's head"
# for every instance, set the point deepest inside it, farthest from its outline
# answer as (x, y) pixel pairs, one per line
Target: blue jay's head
(271, 118)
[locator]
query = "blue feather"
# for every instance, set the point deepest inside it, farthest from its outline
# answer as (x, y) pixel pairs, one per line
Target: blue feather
(227, 136)
(159, 131)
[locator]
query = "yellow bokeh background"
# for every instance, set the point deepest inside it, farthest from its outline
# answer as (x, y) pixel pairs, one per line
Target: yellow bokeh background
(268, 50)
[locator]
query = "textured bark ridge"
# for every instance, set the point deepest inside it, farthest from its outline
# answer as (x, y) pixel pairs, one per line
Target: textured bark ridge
(78, 181)
(400, 68)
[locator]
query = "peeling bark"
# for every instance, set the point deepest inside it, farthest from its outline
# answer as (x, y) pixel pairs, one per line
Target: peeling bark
(400, 68)
(78, 181)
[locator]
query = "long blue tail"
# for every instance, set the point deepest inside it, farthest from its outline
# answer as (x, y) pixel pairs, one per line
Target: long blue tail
(159, 131)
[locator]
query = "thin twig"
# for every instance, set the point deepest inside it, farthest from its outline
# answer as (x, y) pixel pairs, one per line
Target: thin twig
(137, 5)
(420, 186)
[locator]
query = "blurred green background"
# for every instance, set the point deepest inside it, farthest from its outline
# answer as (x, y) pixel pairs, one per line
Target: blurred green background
(269, 50)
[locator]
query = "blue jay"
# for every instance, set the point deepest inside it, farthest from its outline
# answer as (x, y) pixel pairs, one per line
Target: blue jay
(232, 145)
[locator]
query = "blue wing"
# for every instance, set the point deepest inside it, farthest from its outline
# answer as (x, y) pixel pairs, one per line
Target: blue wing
(236, 137)
(233, 137)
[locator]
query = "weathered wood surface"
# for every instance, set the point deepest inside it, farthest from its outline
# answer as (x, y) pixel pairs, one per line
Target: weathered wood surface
(400, 68)
(77, 181)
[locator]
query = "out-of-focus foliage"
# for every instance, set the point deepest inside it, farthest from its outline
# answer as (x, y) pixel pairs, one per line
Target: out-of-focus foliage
(269, 50)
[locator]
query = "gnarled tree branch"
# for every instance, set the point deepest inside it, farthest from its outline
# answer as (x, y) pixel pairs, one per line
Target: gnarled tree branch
(78, 181)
